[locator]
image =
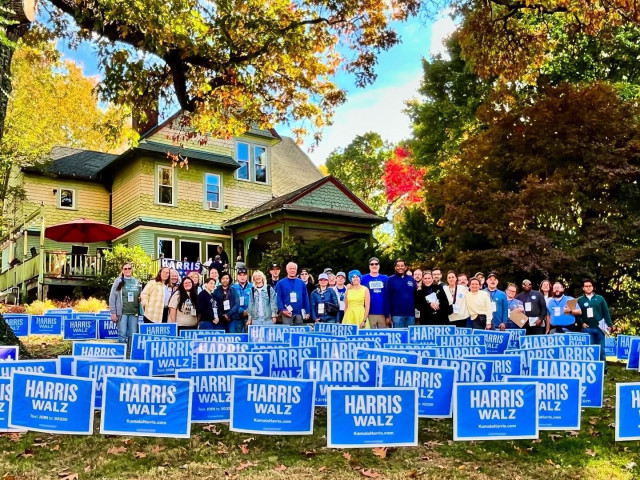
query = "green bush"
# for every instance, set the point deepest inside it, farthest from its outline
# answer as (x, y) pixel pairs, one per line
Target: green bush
(113, 261)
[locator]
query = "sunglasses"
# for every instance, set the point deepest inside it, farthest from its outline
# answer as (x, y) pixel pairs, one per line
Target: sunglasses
(374, 264)
(127, 268)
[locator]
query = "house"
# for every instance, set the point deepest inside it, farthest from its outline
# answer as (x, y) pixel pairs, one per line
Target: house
(241, 193)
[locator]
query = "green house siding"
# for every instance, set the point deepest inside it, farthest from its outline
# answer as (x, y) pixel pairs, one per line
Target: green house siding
(328, 196)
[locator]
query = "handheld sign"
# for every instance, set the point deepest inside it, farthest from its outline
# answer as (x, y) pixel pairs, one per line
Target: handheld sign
(56, 311)
(287, 361)
(79, 329)
(308, 339)
(146, 407)
(198, 334)
(434, 384)
(634, 354)
(107, 330)
(466, 370)
(165, 329)
(45, 325)
(495, 341)
(169, 355)
(590, 372)
(459, 352)
(575, 352)
(49, 366)
(260, 362)
(211, 346)
(99, 349)
(388, 356)
(210, 393)
(342, 348)
(372, 417)
(138, 342)
(502, 365)
(338, 373)
(393, 335)
(420, 350)
(19, 323)
(8, 353)
(98, 368)
(51, 403)
(515, 334)
(627, 411)
(543, 341)
(5, 400)
(428, 333)
(337, 329)
(558, 402)
(273, 406)
(228, 337)
(464, 331)
(495, 411)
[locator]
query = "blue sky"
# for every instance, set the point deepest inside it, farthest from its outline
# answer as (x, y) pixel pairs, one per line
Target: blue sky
(378, 107)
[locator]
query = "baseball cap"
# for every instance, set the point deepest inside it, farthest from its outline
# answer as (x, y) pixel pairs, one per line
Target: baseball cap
(328, 270)
(492, 274)
(274, 265)
(242, 270)
(526, 282)
(479, 274)
(323, 276)
(341, 273)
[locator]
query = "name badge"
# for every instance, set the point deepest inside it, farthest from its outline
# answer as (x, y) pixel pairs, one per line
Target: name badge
(533, 297)
(527, 306)
(293, 297)
(416, 313)
(226, 305)
(590, 312)
(377, 284)
(289, 308)
(242, 301)
(342, 305)
(494, 307)
(556, 311)
(456, 308)
(321, 309)
(130, 297)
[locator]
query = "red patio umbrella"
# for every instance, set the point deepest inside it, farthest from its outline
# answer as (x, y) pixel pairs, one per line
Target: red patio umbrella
(82, 231)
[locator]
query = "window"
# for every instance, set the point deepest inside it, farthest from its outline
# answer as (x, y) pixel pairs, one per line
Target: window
(67, 198)
(212, 251)
(260, 163)
(165, 248)
(212, 191)
(189, 250)
(242, 156)
(165, 185)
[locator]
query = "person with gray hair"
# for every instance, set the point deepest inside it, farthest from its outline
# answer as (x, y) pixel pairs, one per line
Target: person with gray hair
(292, 297)
(263, 304)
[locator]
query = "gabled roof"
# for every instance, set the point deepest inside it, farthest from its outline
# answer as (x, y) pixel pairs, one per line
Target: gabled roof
(222, 160)
(291, 168)
(288, 202)
(73, 163)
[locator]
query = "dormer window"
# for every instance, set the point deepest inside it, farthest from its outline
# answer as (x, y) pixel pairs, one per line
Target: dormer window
(253, 161)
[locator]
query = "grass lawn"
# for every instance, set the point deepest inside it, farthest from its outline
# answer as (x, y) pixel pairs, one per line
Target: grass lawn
(213, 452)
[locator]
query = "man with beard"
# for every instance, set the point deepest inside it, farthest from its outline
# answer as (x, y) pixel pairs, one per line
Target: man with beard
(431, 302)
(560, 318)
(499, 303)
(534, 307)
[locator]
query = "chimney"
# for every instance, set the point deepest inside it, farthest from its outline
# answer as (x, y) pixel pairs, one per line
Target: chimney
(145, 117)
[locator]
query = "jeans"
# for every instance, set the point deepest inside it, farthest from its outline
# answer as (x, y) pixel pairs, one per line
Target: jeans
(236, 326)
(597, 338)
(127, 326)
(403, 321)
(293, 320)
(209, 325)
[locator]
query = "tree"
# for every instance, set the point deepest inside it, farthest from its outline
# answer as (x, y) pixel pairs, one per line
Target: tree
(113, 261)
(360, 166)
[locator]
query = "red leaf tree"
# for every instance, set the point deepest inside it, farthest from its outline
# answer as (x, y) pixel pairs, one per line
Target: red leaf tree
(403, 182)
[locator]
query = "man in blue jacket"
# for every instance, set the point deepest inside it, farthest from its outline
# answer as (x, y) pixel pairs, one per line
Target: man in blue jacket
(243, 289)
(401, 288)
(293, 300)
(499, 303)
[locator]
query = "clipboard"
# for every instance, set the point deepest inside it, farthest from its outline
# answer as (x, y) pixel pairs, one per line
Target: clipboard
(519, 318)
(572, 304)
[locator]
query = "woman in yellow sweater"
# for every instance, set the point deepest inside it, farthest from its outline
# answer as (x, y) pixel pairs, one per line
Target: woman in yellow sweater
(357, 301)
(478, 304)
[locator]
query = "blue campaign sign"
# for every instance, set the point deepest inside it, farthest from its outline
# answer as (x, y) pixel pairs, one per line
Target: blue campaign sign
(459, 340)
(574, 352)
(633, 361)
(267, 347)
(505, 364)
(515, 335)
(274, 333)
(495, 341)
(5, 400)
(558, 402)
(146, 407)
(99, 349)
(199, 334)
(627, 411)
(338, 373)
(372, 417)
(495, 411)
(275, 406)
(610, 346)
(19, 323)
(337, 329)
(459, 352)
(434, 384)
(420, 350)
(107, 330)
(387, 356)
(375, 340)
(590, 372)
(229, 338)
(428, 333)
(57, 311)
(623, 345)
(138, 342)
(578, 338)
(169, 355)
(343, 348)
(166, 329)
(260, 362)
(393, 335)
(211, 346)
(211, 393)
(543, 341)
(8, 353)
(308, 339)
(79, 329)
(287, 362)
(65, 364)
(98, 368)
(466, 370)
(84, 315)
(51, 403)
(464, 331)
(45, 325)
(49, 366)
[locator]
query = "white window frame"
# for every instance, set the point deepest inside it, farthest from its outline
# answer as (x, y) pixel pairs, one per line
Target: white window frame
(74, 203)
(252, 164)
(173, 186)
(249, 150)
(265, 163)
(173, 246)
(205, 203)
(191, 241)
(208, 244)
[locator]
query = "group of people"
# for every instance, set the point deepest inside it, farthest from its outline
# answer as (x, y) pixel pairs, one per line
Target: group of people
(373, 300)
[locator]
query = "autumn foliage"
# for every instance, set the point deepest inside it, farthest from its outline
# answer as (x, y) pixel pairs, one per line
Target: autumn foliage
(403, 181)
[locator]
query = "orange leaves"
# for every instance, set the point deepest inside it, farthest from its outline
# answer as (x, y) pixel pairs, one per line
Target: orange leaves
(402, 180)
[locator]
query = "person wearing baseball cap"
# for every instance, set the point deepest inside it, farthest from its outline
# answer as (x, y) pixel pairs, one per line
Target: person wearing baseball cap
(481, 279)
(341, 291)
(243, 289)
(274, 275)
(499, 303)
(324, 301)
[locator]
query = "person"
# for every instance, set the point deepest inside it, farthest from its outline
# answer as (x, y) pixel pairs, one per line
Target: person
(207, 308)
(239, 262)
(328, 270)
(560, 318)
(263, 304)
(341, 291)
(224, 258)
(592, 309)
(478, 303)
(535, 308)
(437, 276)
(513, 303)
(124, 303)
(458, 312)
(480, 277)
(431, 302)
(174, 279)
(357, 302)
(324, 302)
(401, 297)
(274, 274)
(183, 305)
(155, 298)
(194, 275)
(215, 274)
(463, 280)
(379, 300)
(293, 300)
(243, 289)
(332, 280)
(417, 276)
(217, 264)
(306, 277)
(228, 305)
(545, 289)
(499, 303)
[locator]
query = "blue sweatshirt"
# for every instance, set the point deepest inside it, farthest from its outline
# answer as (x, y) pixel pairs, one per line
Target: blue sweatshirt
(285, 287)
(244, 296)
(500, 307)
(379, 293)
(219, 295)
(555, 310)
(401, 297)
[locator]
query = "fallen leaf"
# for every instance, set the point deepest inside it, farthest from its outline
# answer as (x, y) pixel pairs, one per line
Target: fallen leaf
(573, 433)
(347, 455)
(127, 441)
(212, 428)
(549, 461)
(116, 450)
(157, 449)
(244, 466)
(630, 465)
(612, 425)
(591, 452)
(322, 469)
(8, 476)
(593, 421)
(380, 452)
(553, 437)
(461, 467)
(244, 448)
(71, 476)
(87, 469)
(280, 468)
(139, 455)
(310, 453)
(222, 448)
(369, 473)
(412, 474)
(55, 448)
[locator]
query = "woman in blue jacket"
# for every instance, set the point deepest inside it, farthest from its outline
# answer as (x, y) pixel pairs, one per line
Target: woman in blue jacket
(228, 304)
(324, 301)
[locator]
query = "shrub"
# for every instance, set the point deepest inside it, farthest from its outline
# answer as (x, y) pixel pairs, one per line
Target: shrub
(39, 307)
(90, 305)
(113, 261)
